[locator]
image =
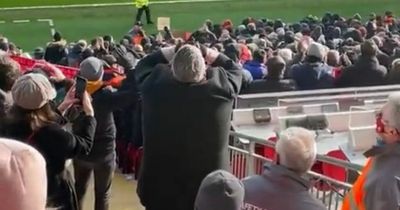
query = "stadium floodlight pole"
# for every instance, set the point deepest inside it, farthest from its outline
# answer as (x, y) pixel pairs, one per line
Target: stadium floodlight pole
(142, 6)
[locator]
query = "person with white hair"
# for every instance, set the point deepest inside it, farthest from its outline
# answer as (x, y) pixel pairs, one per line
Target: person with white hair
(23, 179)
(296, 153)
(314, 73)
(377, 188)
(186, 121)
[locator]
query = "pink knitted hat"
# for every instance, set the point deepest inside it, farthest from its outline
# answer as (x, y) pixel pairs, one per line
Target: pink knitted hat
(23, 182)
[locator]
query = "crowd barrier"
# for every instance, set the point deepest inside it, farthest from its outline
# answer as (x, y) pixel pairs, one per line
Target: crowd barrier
(245, 161)
(274, 99)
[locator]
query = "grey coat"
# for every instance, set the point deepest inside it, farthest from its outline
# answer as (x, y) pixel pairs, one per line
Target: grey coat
(278, 189)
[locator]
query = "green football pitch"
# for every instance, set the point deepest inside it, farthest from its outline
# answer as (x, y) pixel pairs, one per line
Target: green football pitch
(88, 22)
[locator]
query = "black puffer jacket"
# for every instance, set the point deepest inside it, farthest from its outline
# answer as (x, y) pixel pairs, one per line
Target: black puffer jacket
(365, 72)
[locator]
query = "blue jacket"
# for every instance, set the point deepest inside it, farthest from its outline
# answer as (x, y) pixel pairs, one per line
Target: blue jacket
(310, 76)
(257, 69)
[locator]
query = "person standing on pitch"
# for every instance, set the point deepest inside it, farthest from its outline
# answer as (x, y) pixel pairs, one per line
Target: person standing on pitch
(142, 5)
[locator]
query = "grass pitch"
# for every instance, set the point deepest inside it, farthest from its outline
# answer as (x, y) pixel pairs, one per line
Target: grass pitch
(78, 23)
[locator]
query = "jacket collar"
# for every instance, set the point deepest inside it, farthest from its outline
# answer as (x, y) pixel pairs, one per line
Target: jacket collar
(387, 149)
(267, 78)
(366, 59)
(281, 171)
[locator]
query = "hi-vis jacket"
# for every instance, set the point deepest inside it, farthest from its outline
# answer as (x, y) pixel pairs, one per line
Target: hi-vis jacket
(377, 188)
(141, 3)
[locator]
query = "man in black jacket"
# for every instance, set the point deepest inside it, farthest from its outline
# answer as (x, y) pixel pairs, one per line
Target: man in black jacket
(186, 121)
(101, 160)
(273, 82)
(366, 71)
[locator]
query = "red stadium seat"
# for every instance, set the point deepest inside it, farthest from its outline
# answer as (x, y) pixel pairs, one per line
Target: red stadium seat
(335, 172)
(332, 171)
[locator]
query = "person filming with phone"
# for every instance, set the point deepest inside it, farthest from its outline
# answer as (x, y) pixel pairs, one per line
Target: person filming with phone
(106, 100)
(35, 120)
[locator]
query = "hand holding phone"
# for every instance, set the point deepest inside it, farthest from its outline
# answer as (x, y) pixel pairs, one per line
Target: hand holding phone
(80, 87)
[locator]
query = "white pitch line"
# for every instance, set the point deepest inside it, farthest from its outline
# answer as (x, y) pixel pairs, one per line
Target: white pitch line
(21, 21)
(2, 21)
(51, 24)
(50, 21)
(43, 20)
(104, 4)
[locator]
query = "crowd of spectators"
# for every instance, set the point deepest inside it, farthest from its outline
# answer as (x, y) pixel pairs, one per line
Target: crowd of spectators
(174, 97)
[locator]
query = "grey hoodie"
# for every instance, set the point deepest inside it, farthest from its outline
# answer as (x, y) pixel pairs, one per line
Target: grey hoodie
(220, 190)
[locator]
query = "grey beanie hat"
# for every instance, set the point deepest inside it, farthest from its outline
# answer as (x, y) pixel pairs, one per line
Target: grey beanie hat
(188, 65)
(32, 91)
(220, 190)
(92, 69)
(317, 50)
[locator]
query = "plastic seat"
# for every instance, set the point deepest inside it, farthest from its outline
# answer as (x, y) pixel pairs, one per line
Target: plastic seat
(269, 152)
(239, 161)
(335, 172)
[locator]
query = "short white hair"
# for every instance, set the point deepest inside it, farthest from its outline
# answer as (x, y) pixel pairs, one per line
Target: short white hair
(297, 149)
(188, 65)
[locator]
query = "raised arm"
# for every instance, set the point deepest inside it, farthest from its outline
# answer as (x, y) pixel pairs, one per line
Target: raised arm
(233, 71)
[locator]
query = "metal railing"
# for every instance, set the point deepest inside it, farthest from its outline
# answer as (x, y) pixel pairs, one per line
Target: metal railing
(245, 162)
(272, 99)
